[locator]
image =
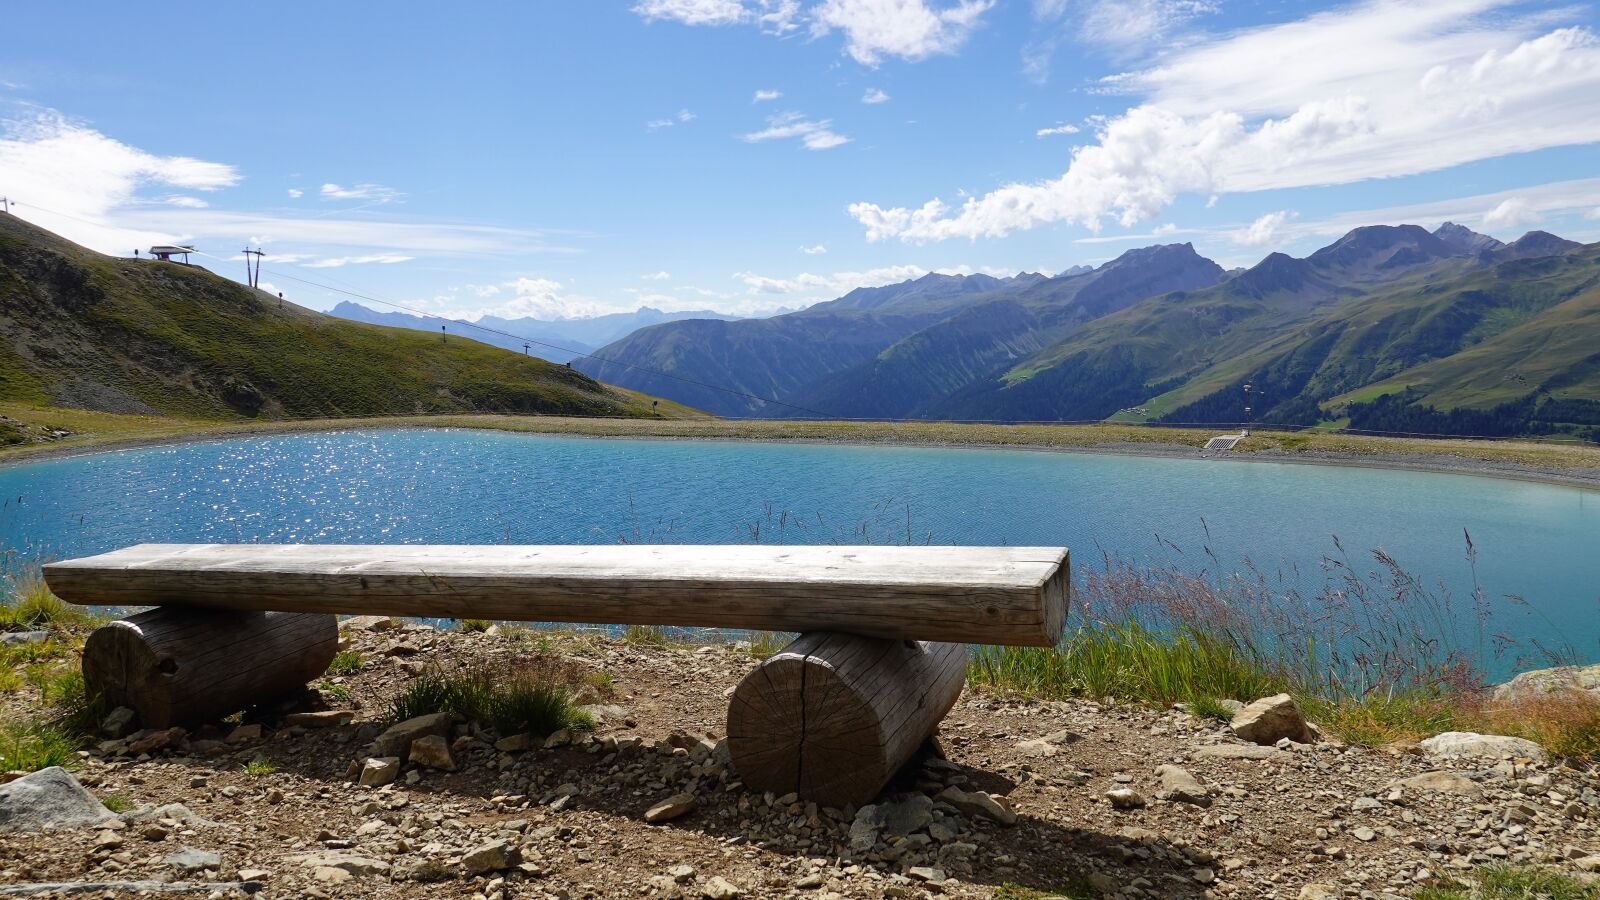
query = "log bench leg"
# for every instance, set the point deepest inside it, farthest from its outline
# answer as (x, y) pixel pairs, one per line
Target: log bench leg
(175, 664)
(833, 716)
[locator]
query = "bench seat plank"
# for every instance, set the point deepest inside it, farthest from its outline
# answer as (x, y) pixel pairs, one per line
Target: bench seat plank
(998, 595)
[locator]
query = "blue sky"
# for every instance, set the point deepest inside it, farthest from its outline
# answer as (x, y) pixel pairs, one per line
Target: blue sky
(571, 158)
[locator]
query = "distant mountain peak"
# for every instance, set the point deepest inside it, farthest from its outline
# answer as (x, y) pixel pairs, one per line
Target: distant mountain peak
(1465, 239)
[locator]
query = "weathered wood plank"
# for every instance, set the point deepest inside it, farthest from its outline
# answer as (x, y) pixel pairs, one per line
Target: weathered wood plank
(832, 717)
(999, 595)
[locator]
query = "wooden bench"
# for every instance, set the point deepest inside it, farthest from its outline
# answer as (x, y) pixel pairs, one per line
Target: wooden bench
(879, 661)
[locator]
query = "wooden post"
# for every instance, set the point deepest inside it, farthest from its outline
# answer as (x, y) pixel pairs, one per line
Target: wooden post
(833, 716)
(178, 664)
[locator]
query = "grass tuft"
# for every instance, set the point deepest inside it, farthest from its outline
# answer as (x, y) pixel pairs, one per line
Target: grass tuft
(259, 767)
(645, 636)
(474, 625)
(1513, 883)
(31, 746)
(346, 662)
(29, 605)
(1210, 708)
(537, 696)
(117, 804)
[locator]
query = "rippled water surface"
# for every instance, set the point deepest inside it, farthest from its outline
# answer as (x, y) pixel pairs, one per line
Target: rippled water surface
(1537, 541)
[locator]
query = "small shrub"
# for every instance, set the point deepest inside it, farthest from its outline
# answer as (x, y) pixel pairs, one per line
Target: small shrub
(346, 662)
(259, 766)
(117, 804)
(645, 636)
(11, 681)
(474, 625)
(31, 746)
(602, 682)
(537, 696)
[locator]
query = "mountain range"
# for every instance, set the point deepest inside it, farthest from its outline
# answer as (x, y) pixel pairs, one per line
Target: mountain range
(555, 340)
(83, 330)
(1393, 328)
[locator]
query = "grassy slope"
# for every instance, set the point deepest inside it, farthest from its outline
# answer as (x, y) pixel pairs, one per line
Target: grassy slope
(1556, 350)
(84, 330)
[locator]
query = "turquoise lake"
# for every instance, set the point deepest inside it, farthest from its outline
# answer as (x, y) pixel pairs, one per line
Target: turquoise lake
(1539, 542)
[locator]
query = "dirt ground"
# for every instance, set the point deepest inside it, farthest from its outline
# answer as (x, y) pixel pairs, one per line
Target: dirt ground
(279, 811)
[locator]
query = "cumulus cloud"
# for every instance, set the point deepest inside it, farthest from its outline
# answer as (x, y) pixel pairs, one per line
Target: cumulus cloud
(1511, 213)
(1055, 130)
(1383, 88)
(373, 193)
(872, 29)
(296, 193)
(1265, 231)
(874, 96)
(814, 250)
(766, 96)
(814, 135)
(656, 276)
(184, 201)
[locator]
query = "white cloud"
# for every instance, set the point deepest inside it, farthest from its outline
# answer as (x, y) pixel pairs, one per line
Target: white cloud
(874, 96)
(1383, 88)
(683, 115)
(766, 96)
(813, 134)
(872, 29)
(815, 250)
(1264, 231)
(656, 276)
(1054, 130)
(335, 262)
(909, 29)
(1511, 213)
(296, 193)
(374, 193)
(77, 182)
(186, 202)
(693, 12)
(1129, 23)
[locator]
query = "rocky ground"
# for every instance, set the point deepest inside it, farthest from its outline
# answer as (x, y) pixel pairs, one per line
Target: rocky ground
(1014, 797)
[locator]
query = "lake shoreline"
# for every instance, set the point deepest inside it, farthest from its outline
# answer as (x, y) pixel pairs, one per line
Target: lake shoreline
(772, 431)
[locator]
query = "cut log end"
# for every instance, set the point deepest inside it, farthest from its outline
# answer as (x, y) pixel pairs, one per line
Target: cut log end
(176, 665)
(832, 716)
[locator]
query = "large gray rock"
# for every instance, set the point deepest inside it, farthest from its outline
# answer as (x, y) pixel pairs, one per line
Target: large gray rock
(18, 638)
(1180, 786)
(1271, 719)
(398, 739)
(1472, 745)
(1544, 682)
(47, 800)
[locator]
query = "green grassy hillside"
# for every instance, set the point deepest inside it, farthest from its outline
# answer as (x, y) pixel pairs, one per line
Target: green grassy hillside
(86, 331)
